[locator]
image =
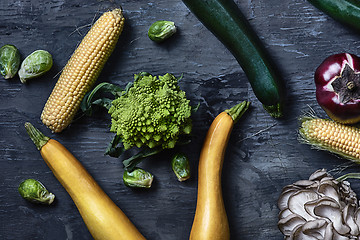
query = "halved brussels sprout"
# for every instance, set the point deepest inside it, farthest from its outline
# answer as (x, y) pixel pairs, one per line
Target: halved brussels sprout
(34, 191)
(161, 30)
(35, 65)
(9, 61)
(138, 178)
(181, 167)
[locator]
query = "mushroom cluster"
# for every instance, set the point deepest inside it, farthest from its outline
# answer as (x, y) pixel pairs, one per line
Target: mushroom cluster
(320, 208)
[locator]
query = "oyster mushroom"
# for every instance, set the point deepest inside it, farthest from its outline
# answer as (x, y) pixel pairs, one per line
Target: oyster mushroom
(320, 208)
(314, 228)
(297, 200)
(331, 210)
(349, 217)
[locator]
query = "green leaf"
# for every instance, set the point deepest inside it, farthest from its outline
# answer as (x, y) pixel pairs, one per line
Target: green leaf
(141, 74)
(113, 150)
(128, 86)
(194, 109)
(181, 77)
(103, 102)
(132, 162)
(91, 98)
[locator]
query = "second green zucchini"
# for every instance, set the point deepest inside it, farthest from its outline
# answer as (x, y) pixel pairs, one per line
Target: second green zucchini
(344, 11)
(225, 20)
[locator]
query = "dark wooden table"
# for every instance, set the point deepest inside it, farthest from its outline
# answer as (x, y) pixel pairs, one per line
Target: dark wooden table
(263, 154)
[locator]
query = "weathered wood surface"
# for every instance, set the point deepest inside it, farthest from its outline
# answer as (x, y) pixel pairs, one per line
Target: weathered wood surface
(263, 154)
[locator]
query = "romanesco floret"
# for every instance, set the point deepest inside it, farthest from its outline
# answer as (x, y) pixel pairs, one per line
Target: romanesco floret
(153, 112)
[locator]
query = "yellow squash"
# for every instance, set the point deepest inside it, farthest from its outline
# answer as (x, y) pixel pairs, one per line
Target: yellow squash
(210, 221)
(103, 218)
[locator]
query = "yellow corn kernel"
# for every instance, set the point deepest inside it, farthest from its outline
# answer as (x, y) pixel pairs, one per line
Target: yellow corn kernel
(325, 134)
(82, 70)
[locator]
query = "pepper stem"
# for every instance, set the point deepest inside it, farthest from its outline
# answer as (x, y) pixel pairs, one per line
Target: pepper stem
(351, 85)
(36, 136)
(238, 110)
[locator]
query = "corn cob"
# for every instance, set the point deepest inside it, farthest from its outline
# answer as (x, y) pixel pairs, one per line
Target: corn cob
(325, 134)
(82, 70)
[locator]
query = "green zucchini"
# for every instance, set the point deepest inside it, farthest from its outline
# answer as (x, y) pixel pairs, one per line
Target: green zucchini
(344, 11)
(225, 20)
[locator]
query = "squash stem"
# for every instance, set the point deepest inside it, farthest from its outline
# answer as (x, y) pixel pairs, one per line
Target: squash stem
(238, 110)
(36, 136)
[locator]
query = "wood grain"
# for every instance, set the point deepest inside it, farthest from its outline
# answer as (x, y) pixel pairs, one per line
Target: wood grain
(263, 154)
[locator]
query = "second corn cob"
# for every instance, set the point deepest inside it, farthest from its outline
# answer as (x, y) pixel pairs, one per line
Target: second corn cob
(325, 134)
(82, 70)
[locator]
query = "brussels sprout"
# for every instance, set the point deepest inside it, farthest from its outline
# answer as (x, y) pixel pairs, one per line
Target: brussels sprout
(138, 178)
(9, 61)
(35, 65)
(161, 30)
(34, 191)
(181, 167)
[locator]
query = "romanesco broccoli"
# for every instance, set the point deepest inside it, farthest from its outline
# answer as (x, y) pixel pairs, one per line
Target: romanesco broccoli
(153, 112)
